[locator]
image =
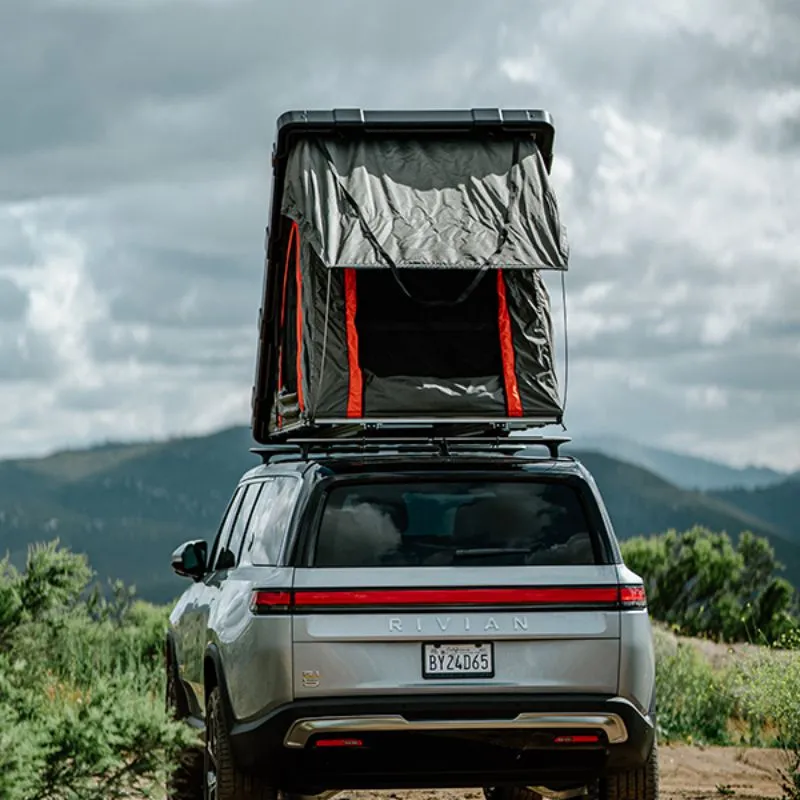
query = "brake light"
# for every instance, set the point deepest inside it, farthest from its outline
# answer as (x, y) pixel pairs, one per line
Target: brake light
(633, 596)
(264, 601)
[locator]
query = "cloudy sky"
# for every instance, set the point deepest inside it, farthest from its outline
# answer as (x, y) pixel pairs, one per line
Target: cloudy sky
(134, 184)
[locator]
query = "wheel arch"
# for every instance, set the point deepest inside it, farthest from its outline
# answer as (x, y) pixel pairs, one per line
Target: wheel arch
(182, 698)
(214, 676)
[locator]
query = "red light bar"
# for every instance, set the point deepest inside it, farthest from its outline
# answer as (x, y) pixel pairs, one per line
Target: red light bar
(598, 595)
(339, 743)
(584, 739)
(270, 601)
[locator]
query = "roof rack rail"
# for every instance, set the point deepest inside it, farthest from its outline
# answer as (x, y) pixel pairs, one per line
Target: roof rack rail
(441, 445)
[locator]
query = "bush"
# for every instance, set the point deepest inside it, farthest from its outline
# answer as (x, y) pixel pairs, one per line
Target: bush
(81, 686)
(695, 702)
(700, 584)
(768, 688)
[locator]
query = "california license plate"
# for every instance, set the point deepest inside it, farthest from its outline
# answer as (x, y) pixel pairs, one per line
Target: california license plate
(458, 660)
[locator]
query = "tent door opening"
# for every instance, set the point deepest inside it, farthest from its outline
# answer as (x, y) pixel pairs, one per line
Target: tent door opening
(412, 349)
(398, 336)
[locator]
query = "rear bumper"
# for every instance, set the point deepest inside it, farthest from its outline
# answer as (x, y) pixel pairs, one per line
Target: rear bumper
(444, 741)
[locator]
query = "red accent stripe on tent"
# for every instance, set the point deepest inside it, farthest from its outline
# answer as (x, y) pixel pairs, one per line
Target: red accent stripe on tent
(513, 400)
(567, 596)
(300, 399)
(283, 310)
(356, 390)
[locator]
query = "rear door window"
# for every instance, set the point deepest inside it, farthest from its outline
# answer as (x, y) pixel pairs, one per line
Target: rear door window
(225, 528)
(228, 557)
(449, 523)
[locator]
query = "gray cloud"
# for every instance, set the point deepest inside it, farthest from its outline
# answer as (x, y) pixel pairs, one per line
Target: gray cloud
(13, 301)
(219, 352)
(135, 155)
(24, 356)
(181, 289)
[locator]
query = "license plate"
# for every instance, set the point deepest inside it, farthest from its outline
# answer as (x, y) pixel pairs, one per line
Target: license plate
(458, 660)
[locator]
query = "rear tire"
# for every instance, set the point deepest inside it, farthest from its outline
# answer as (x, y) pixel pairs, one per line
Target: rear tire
(186, 780)
(222, 779)
(635, 784)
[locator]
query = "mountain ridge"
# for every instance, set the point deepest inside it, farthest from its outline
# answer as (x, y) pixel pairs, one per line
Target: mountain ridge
(684, 470)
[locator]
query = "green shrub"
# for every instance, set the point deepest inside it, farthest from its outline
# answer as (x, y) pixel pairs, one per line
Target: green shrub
(695, 703)
(700, 584)
(82, 711)
(768, 688)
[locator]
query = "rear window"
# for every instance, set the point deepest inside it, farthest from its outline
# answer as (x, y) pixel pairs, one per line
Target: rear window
(474, 523)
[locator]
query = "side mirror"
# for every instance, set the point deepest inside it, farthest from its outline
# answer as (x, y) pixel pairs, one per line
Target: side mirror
(190, 559)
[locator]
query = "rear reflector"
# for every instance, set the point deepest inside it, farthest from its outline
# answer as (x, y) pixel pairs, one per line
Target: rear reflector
(587, 739)
(338, 743)
(266, 601)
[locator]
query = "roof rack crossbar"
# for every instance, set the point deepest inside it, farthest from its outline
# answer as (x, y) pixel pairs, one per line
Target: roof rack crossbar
(443, 445)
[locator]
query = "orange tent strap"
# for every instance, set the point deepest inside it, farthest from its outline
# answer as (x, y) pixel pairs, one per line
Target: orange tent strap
(513, 399)
(355, 394)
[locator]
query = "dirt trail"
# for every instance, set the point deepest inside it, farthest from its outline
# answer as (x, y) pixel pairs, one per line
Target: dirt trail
(687, 773)
(694, 772)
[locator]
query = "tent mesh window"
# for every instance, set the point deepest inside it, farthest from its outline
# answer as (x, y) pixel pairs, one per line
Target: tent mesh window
(399, 335)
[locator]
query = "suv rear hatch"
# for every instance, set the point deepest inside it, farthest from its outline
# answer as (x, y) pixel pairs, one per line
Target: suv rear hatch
(452, 583)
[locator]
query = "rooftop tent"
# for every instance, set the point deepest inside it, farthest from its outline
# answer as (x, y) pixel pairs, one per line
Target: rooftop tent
(402, 280)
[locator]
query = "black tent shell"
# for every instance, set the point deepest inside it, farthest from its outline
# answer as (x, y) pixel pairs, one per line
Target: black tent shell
(402, 280)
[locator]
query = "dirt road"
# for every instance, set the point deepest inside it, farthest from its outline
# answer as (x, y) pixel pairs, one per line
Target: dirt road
(717, 772)
(687, 773)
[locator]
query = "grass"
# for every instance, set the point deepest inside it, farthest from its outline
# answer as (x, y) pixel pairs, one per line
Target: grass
(695, 702)
(728, 695)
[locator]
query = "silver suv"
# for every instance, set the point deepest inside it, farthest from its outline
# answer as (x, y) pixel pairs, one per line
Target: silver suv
(426, 613)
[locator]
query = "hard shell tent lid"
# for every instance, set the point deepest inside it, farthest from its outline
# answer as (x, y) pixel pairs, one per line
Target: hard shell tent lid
(459, 189)
(446, 202)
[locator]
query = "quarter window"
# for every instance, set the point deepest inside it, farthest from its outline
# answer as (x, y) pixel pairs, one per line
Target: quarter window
(269, 523)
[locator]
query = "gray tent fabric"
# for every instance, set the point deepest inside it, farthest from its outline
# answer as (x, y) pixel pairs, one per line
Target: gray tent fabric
(394, 334)
(381, 202)
(532, 331)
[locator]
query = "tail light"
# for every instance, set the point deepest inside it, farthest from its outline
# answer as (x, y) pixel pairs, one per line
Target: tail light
(633, 596)
(264, 601)
(272, 601)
